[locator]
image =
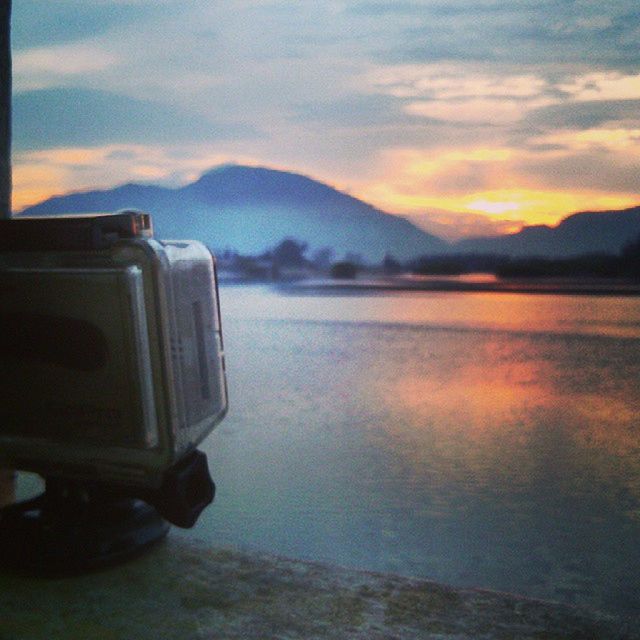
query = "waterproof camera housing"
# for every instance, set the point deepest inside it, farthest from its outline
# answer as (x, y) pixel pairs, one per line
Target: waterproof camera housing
(111, 355)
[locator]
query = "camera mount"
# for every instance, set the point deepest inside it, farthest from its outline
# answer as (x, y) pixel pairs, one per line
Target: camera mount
(76, 526)
(72, 528)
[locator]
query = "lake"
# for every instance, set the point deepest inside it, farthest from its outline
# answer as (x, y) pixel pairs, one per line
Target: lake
(478, 439)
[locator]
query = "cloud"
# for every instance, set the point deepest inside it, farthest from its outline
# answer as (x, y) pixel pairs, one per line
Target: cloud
(614, 139)
(610, 86)
(585, 101)
(412, 180)
(38, 24)
(526, 33)
(42, 173)
(43, 67)
(85, 117)
(358, 110)
(451, 81)
(414, 172)
(581, 115)
(591, 169)
(461, 93)
(509, 184)
(381, 8)
(480, 111)
(395, 101)
(454, 225)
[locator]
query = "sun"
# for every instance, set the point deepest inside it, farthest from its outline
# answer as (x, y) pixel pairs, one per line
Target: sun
(493, 207)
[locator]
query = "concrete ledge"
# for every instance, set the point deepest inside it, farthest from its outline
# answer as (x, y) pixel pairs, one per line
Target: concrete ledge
(184, 590)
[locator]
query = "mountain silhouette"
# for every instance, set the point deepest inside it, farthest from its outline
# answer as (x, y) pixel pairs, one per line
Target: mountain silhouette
(577, 234)
(251, 209)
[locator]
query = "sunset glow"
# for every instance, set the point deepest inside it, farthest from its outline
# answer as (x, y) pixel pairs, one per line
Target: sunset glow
(374, 98)
(523, 206)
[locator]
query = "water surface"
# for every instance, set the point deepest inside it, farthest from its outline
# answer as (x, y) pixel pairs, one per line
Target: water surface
(478, 439)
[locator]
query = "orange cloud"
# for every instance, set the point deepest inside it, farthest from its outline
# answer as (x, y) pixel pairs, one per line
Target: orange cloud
(450, 81)
(483, 181)
(38, 175)
(603, 86)
(33, 183)
(521, 205)
(483, 110)
(617, 139)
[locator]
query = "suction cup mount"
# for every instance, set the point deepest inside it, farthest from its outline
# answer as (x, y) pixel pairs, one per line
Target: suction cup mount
(75, 526)
(71, 528)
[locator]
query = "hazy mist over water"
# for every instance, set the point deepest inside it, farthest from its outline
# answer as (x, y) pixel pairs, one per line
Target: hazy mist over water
(487, 440)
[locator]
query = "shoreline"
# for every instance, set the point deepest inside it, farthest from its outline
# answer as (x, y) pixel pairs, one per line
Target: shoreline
(183, 590)
(593, 287)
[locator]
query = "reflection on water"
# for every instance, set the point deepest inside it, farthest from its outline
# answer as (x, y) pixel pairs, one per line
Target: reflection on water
(474, 278)
(486, 440)
(581, 315)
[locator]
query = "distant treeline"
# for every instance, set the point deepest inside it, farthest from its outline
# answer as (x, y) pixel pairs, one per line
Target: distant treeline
(289, 260)
(624, 265)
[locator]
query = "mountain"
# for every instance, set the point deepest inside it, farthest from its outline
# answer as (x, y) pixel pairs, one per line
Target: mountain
(251, 209)
(580, 233)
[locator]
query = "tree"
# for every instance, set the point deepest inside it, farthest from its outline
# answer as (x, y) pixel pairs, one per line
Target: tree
(390, 265)
(322, 258)
(344, 270)
(630, 257)
(356, 258)
(290, 253)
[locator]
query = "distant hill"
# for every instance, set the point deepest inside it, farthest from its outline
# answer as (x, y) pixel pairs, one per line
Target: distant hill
(580, 233)
(251, 209)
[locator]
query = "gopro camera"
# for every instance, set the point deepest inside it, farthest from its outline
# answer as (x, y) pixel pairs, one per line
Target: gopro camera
(111, 355)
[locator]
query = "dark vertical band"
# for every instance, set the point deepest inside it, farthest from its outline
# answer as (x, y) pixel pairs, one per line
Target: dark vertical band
(5, 108)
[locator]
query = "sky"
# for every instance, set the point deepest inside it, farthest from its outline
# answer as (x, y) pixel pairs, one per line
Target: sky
(470, 116)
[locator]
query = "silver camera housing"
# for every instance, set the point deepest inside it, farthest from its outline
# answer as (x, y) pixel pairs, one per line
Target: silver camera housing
(111, 354)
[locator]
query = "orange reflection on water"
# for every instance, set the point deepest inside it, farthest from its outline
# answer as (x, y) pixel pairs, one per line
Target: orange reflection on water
(483, 397)
(501, 411)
